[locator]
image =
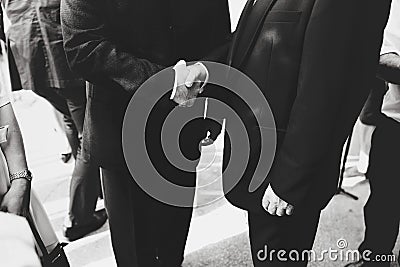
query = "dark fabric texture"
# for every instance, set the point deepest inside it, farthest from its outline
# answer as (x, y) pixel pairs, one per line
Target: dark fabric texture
(15, 78)
(36, 42)
(117, 45)
(382, 226)
(146, 233)
(269, 233)
(107, 44)
(2, 34)
(371, 113)
(299, 58)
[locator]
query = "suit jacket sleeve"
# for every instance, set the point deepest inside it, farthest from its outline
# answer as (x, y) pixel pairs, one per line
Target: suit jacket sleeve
(334, 73)
(92, 53)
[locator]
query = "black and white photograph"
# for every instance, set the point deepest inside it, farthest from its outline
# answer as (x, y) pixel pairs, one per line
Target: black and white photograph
(199, 133)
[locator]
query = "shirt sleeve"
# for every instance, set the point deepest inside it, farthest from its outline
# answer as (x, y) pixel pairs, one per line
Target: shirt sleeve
(5, 80)
(391, 39)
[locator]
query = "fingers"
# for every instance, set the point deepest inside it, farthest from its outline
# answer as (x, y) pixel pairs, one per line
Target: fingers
(192, 77)
(272, 208)
(274, 205)
(197, 74)
(289, 210)
(281, 209)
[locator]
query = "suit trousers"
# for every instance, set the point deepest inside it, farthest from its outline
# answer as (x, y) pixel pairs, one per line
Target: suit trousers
(144, 231)
(380, 216)
(273, 233)
(85, 182)
(270, 234)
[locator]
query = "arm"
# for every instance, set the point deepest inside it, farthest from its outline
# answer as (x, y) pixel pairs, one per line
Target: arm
(389, 68)
(93, 54)
(371, 113)
(321, 114)
(17, 198)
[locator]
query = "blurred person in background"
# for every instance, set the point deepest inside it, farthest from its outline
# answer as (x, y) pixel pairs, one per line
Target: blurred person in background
(369, 116)
(36, 43)
(15, 235)
(66, 153)
(380, 216)
(16, 200)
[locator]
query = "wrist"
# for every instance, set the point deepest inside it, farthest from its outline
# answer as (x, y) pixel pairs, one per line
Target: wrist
(20, 187)
(20, 183)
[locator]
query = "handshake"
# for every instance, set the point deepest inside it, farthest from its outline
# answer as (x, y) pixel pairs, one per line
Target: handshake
(189, 82)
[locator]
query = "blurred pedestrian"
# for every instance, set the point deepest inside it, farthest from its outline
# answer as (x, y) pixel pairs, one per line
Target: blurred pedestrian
(370, 115)
(36, 42)
(16, 200)
(381, 223)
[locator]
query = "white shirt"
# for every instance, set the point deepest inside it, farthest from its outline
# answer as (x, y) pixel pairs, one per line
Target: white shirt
(391, 44)
(5, 80)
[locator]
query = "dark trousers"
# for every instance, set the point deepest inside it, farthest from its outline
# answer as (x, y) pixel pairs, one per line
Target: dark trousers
(144, 232)
(85, 181)
(381, 213)
(273, 233)
(267, 233)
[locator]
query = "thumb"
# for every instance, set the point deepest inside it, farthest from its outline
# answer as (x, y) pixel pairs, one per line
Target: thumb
(191, 78)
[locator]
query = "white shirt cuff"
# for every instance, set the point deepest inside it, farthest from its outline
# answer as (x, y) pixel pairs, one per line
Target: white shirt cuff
(176, 67)
(207, 74)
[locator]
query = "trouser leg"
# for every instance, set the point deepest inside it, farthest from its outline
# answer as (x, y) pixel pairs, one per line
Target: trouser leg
(85, 181)
(60, 104)
(380, 216)
(173, 227)
(129, 212)
(72, 134)
(288, 233)
(142, 228)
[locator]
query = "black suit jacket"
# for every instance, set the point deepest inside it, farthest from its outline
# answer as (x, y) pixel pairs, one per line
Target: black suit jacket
(314, 61)
(116, 45)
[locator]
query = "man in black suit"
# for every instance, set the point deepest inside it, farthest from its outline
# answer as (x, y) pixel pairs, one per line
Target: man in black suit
(314, 61)
(117, 45)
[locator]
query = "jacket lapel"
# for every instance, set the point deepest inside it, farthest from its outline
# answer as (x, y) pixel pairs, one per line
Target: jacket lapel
(248, 28)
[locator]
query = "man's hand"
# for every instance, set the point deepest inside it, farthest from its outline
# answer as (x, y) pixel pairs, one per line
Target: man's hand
(16, 200)
(188, 83)
(274, 205)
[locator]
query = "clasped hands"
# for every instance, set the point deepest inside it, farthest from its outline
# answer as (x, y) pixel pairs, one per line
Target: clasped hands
(189, 82)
